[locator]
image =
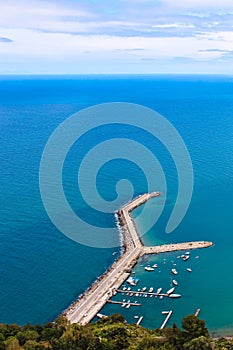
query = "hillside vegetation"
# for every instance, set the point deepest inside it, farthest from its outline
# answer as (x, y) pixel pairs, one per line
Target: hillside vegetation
(111, 333)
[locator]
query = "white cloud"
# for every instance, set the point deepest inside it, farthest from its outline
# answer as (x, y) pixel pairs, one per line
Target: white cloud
(197, 4)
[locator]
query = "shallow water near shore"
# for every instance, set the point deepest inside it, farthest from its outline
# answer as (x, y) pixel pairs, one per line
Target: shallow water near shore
(42, 271)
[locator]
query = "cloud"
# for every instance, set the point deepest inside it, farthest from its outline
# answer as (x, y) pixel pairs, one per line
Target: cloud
(92, 34)
(5, 40)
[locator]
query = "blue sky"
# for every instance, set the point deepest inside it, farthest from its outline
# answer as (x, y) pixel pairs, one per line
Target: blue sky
(116, 36)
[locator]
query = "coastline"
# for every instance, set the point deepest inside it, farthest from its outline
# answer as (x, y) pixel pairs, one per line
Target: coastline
(84, 309)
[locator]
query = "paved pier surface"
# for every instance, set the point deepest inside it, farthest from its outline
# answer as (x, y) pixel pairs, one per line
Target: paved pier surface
(91, 302)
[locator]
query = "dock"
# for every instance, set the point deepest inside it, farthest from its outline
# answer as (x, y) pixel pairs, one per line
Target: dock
(98, 294)
(123, 302)
(169, 313)
(143, 292)
(139, 321)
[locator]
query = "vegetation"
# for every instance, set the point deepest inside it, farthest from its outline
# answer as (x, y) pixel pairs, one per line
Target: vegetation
(111, 333)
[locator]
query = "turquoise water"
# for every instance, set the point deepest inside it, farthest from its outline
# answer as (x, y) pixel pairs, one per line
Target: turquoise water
(42, 271)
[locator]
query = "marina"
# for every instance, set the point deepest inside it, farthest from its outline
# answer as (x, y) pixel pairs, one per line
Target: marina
(92, 301)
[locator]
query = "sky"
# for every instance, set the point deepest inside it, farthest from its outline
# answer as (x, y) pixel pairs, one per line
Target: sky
(116, 36)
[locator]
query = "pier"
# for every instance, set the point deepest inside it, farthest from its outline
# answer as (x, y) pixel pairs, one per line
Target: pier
(168, 313)
(98, 294)
(123, 302)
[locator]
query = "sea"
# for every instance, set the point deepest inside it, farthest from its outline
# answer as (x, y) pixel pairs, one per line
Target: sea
(42, 270)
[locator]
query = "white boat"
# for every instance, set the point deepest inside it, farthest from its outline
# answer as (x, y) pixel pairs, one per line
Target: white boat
(123, 304)
(159, 290)
(175, 282)
(101, 315)
(186, 257)
(151, 289)
(174, 296)
(174, 271)
(136, 316)
(161, 297)
(143, 289)
(170, 291)
(124, 288)
(155, 266)
(149, 268)
(127, 306)
(189, 270)
(197, 257)
(187, 253)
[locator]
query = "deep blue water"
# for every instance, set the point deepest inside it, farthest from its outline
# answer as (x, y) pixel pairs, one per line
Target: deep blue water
(42, 271)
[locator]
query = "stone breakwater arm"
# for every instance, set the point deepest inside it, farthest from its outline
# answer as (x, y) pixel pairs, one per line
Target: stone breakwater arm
(175, 247)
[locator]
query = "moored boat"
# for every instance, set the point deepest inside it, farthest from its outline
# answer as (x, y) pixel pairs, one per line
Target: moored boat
(149, 268)
(174, 271)
(174, 296)
(170, 291)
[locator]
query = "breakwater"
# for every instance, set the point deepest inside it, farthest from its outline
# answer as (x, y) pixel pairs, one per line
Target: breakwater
(91, 302)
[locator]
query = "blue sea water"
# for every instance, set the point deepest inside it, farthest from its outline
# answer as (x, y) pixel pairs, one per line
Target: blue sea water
(42, 271)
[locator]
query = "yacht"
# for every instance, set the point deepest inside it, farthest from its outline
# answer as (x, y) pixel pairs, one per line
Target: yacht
(175, 282)
(149, 268)
(151, 289)
(174, 271)
(155, 266)
(159, 290)
(174, 296)
(170, 291)
(186, 257)
(189, 270)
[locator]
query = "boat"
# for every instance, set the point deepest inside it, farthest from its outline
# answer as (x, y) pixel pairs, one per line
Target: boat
(161, 297)
(136, 316)
(175, 282)
(170, 291)
(151, 289)
(186, 257)
(123, 304)
(131, 294)
(187, 253)
(174, 271)
(189, 270)
(149, 268)
(127, 306)
(132, 281)
(143, 289)
(101, 315)
(197, 257)
(174, 296)
(155, 266)
(159, 290)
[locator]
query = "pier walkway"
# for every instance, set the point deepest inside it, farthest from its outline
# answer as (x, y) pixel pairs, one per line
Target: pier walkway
(91, 302)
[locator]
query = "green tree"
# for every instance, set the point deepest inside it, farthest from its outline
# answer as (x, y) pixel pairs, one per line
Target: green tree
(194, 327)
(200, 343)
(12, 344)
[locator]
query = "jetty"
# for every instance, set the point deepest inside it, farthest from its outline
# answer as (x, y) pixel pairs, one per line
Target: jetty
(98, 294)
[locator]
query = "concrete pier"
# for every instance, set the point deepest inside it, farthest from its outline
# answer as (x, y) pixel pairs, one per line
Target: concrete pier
(92, 301)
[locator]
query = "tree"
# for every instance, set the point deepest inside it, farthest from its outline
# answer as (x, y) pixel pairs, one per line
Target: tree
(12, 344)
(200, 343)
(194, 327)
